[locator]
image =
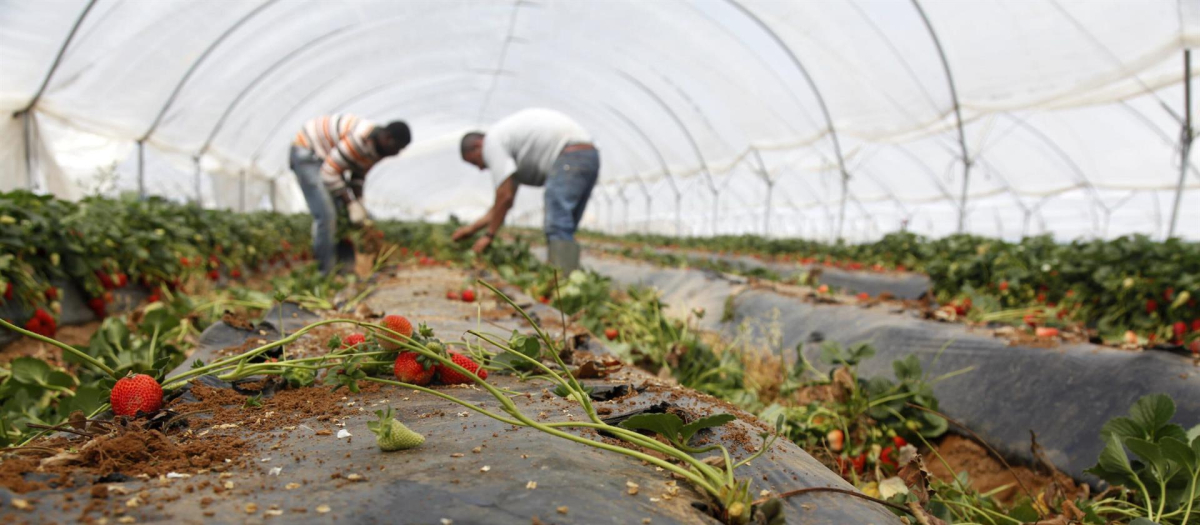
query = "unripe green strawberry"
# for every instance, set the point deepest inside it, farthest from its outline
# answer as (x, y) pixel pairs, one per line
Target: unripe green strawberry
(392, 435)
(299, 377)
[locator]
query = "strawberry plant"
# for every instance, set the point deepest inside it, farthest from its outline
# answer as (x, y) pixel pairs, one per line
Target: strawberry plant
(1164, 472)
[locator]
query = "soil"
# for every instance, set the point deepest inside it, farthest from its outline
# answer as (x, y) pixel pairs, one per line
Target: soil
(988, 473)
(132, 451)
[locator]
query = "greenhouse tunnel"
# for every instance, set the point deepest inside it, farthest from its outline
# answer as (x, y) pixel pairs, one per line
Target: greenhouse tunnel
(801, 205)
(824, 120)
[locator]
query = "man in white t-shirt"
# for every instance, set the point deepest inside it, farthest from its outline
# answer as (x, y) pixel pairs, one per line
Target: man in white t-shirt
(536, 147)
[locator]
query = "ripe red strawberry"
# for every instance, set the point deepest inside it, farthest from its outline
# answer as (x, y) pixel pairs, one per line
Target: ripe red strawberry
(235, 273)
(544, 299)
(836, 439)
(1169, 294)
(184, 262)
(398, 324)
(1041, 297)
(109, 297)
(122, 280)
(154, 297)
(864, 296)
(1046, 331)
(136, 393)
(105, 280)
(468, 296)
(1031, 320)
(8, 291)
(1195, 347)
(1151, 306)
(411, 369)
(34, 325)
(353, 340)
(611, 333)
(1196, 325)
(1131, 338)
(962, 308)
(51, 294)
(452, 295)
(451, 376)
(899, 442)
(98, 307)
(885, 456)
(214, 275)
(824, 288)
(1003, 286)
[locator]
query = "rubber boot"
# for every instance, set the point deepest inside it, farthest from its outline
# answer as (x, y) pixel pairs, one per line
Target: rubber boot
(563, 255)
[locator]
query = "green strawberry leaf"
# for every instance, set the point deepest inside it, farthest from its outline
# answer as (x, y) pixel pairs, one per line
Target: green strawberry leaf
(1179, 452)
(30, 371)
(687, 431)
(665, 425)
(1123, 427)
(1153, 412)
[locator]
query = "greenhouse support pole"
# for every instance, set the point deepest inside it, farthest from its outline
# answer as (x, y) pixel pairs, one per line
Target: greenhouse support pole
(141, 174)
(27, 122)
(716, 208)
(842, 211)
(274, 205)
(962, 136)
(199, 195)
(242, 191)
(766, 177)
(1185, 139)
(678, 214)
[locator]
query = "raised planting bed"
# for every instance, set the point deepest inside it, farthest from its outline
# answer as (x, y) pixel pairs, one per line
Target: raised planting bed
(901, 285)
(254, 451)
(1063, 393)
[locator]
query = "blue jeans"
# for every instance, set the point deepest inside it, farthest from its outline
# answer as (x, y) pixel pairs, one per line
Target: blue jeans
(307, 167)
(568, 187)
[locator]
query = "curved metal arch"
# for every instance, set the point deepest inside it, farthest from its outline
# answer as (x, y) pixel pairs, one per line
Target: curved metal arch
(691, 140)
(62, 51)
(210, 145)
(1063, 155)
(674, 117)
(662, 161)
(262, 76)
(837, 145)
(198, 62)
(383, 87)
(962, 136)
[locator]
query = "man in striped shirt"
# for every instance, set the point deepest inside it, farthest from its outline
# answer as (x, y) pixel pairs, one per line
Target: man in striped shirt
(323, 151)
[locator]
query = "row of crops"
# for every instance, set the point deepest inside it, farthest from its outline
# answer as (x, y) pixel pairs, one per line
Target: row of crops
(1130, 289)
(865, 428)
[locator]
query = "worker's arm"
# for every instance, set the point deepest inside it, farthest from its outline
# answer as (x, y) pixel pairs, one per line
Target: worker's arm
(506, 193)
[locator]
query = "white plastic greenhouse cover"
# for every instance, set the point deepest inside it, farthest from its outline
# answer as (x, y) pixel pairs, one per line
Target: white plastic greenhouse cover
(723, 116)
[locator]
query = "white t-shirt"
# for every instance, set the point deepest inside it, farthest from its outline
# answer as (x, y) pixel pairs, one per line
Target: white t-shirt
(526, 144)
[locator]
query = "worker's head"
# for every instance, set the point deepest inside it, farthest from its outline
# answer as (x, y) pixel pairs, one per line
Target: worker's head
(472, 149)
(390, 139)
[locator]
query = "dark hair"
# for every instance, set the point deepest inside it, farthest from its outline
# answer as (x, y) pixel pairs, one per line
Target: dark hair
(469, 141)
(400, 133)
(398, 138)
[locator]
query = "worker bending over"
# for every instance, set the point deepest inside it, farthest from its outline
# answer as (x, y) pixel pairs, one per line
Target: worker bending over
(536, 147)
(324, 150)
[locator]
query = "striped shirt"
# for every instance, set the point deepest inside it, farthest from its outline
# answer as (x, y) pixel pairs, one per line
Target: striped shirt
(343, 141)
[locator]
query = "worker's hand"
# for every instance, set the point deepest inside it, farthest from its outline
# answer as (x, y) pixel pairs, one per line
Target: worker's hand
(358, 214)
(482, 244)
(461, 233)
